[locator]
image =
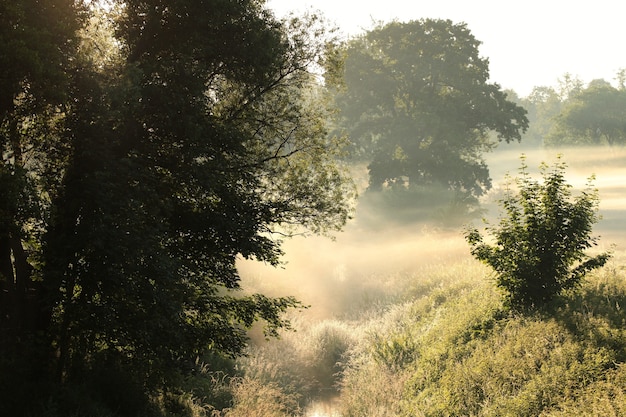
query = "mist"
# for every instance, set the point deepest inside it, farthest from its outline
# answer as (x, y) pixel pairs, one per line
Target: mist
(606, 164)
(378, 260)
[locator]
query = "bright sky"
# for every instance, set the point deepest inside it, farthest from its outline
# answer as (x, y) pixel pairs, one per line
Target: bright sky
(529, 43)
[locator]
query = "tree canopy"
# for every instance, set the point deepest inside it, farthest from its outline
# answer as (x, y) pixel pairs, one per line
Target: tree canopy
(596, 115)
(418, 106)
(37, 41)
(182, 136)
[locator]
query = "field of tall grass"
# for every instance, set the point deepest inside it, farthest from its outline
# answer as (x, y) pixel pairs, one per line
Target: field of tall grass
(403, 322)
(447, 348)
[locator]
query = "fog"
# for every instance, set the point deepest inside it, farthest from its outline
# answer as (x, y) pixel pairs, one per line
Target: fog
(607, 164)
(371, 259)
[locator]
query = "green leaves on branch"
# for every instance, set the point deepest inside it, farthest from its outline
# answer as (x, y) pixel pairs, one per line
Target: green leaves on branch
(539, 246)
(211, 144)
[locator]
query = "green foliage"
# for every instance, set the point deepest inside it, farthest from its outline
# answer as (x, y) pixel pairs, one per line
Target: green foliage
(417, 106)
(540, 242)
(142, 155)
(160, 199)
(594, 116)
(37, 42)
(543, 104)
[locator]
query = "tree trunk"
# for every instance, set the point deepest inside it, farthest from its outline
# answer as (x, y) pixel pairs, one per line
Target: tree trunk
(6, 289)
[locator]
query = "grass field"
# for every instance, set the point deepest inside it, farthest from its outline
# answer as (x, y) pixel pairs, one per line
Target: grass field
(402, 322)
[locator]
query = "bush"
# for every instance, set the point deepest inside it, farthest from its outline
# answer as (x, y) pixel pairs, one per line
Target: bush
(540, 244)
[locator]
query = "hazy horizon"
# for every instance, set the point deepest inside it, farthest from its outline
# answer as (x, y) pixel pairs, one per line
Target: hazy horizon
(325, 273)
(528, 46)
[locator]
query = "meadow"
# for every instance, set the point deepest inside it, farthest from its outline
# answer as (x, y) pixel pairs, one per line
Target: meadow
(403, 322)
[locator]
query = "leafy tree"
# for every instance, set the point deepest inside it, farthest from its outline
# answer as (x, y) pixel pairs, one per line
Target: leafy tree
(594, 116)
(206, 144)
(152, 149)
(543, 105)
(37, 42)
(540, 244)
(569, 86)
(417, 105)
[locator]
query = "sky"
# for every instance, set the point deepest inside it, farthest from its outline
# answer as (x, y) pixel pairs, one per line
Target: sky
(528, 43)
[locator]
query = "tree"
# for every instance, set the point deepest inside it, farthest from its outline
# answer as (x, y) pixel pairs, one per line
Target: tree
(205, 145)
(37, 43)
(417, 105)
(594, 116)
(543, 105)
(191, 135)
(569, 86)
(540, 243)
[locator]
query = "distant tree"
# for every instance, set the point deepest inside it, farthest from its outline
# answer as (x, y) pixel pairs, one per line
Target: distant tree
(569, 86)
(621, 79)
(540, 243)
(417, 106)
(543, 105)
(594, 116)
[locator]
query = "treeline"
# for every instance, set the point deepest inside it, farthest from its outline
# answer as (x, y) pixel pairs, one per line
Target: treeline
(576, 114)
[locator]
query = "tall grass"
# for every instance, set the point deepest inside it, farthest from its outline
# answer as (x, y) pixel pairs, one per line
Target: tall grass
(425, 334)
(403, 323)
(433, 342)
(455, 352)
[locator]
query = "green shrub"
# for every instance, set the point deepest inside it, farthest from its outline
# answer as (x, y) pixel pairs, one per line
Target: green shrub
(540, 244)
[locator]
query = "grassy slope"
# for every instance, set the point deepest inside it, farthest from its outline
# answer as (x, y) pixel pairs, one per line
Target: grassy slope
(434, 341)
(452, 352)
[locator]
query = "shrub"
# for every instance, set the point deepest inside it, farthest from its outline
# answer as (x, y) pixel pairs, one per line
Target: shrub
(540, 243)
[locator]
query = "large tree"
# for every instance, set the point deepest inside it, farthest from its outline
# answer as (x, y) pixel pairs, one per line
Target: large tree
(417, 104)
(37, 43)
(200, 141)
